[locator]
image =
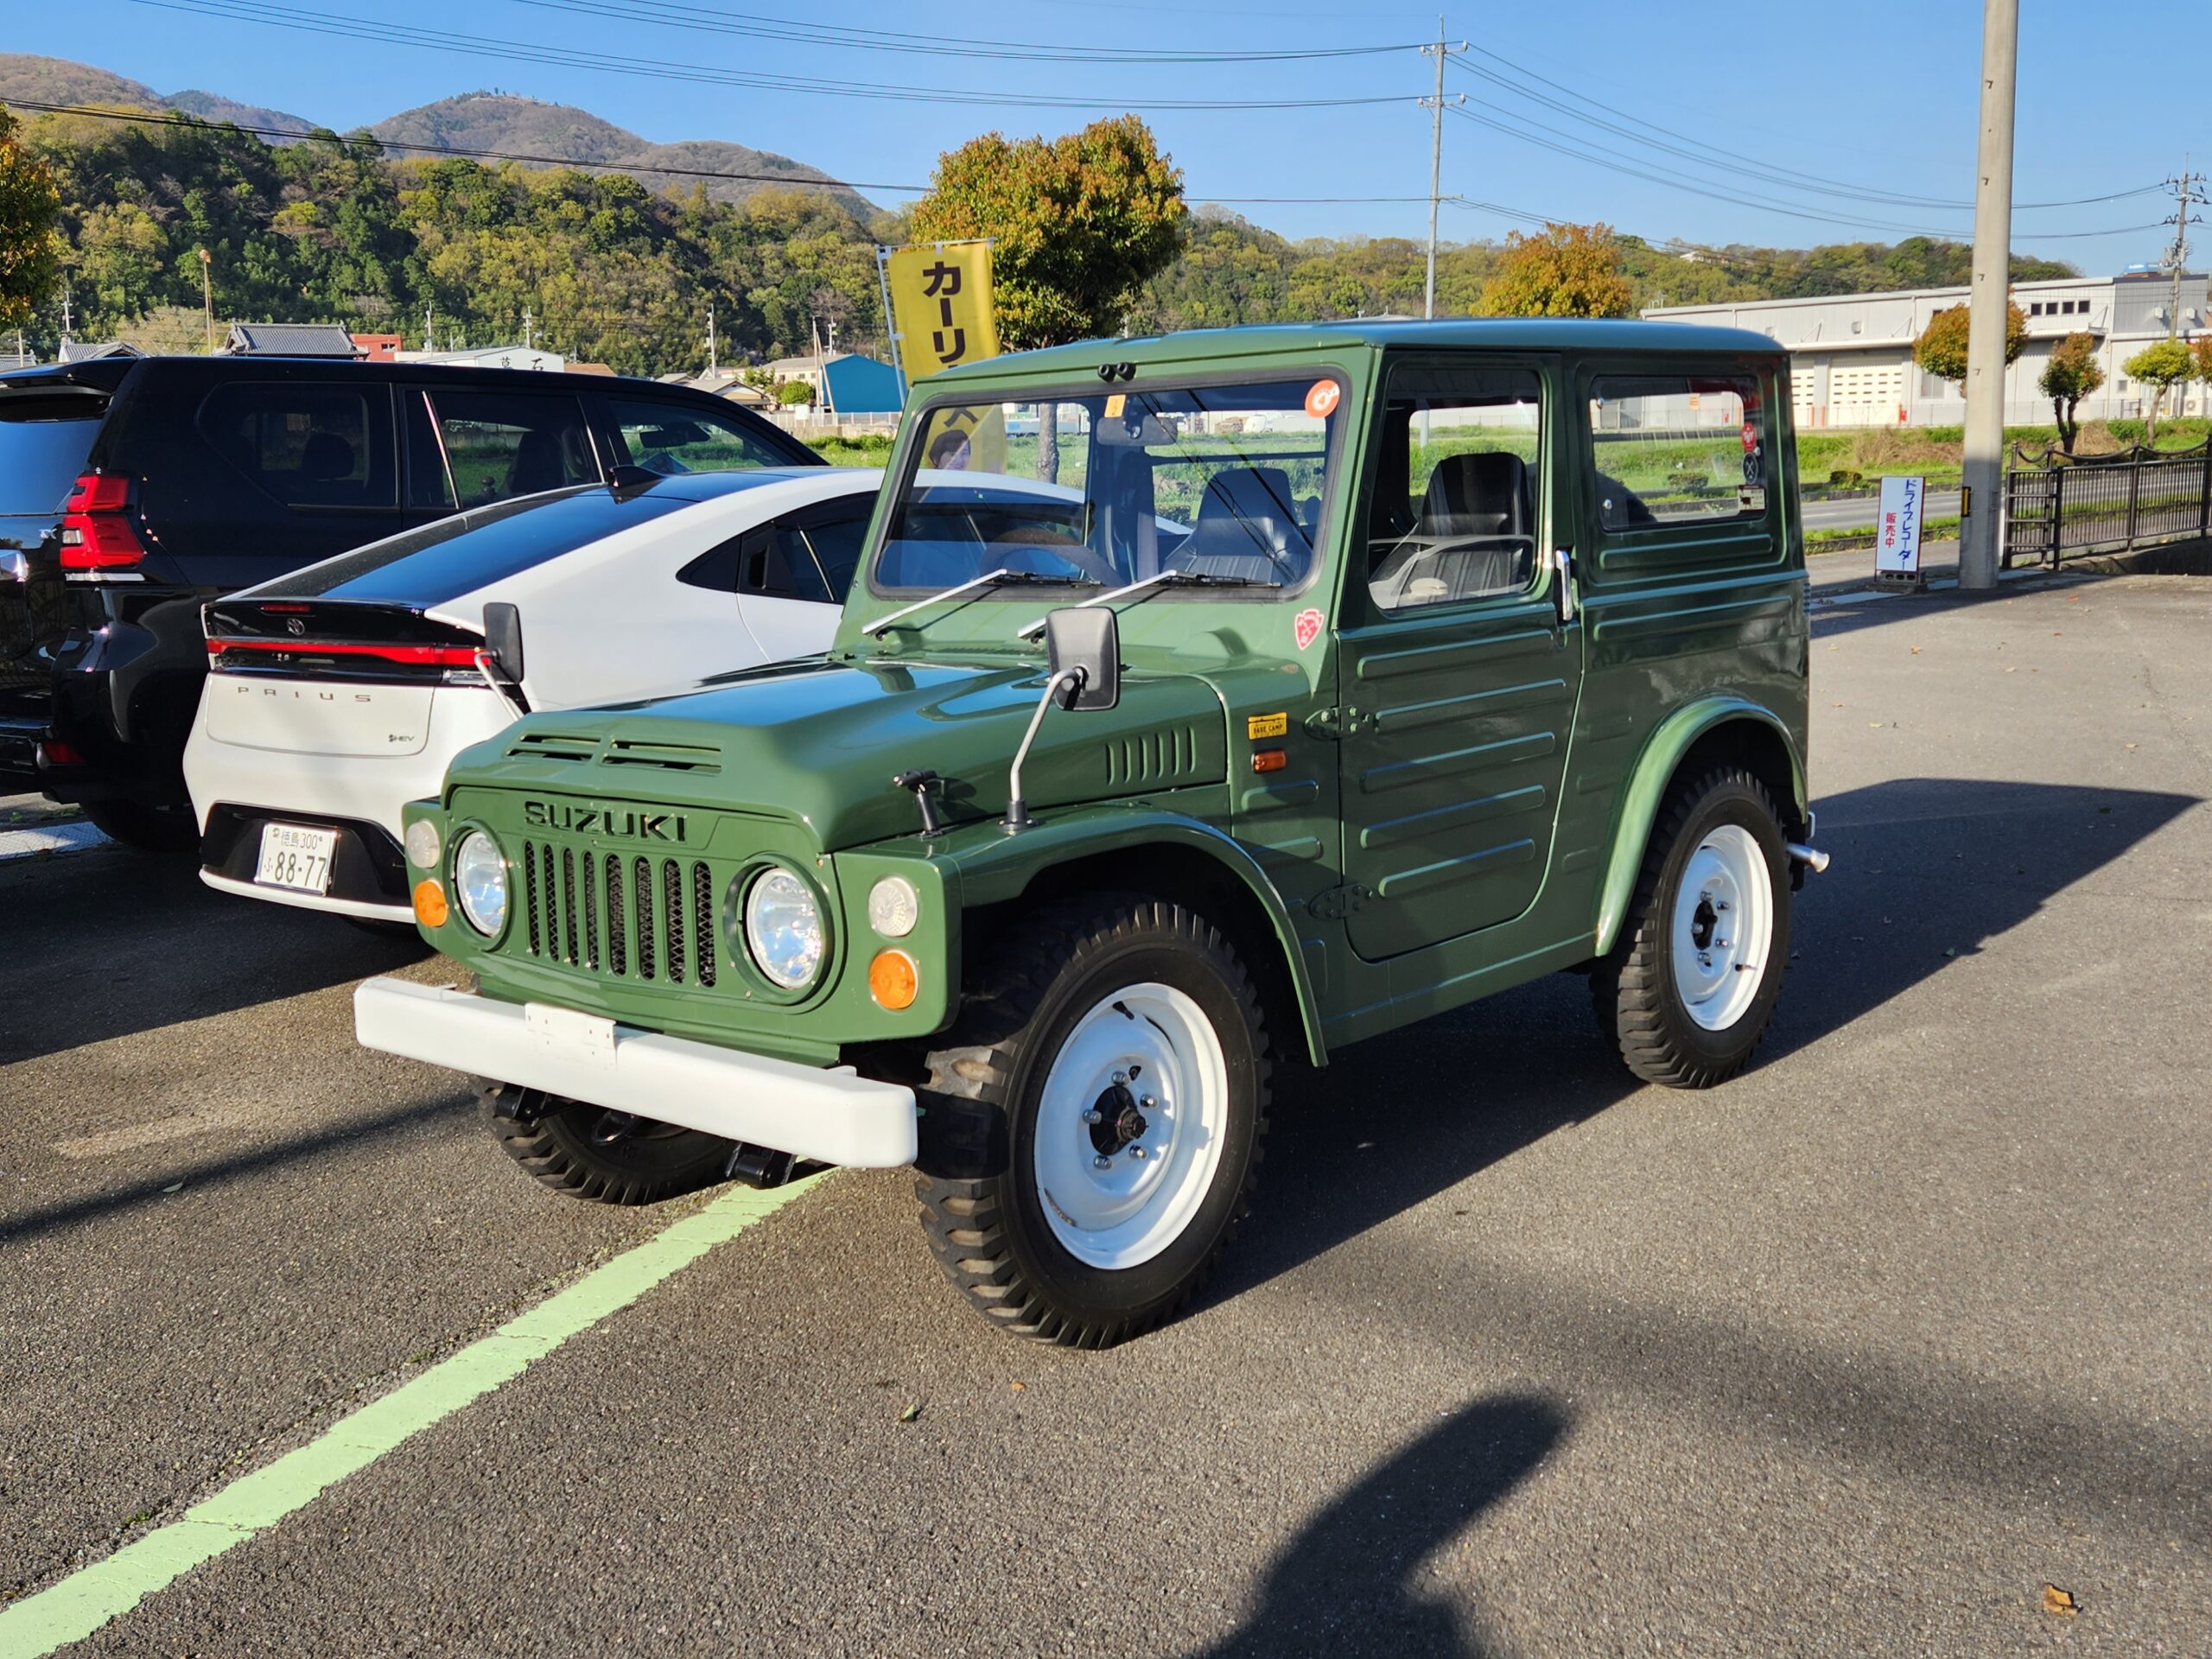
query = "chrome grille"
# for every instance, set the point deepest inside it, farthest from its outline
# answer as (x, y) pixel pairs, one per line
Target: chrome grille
(656, 916)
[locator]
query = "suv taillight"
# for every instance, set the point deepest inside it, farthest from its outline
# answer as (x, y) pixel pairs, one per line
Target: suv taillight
(96, 529)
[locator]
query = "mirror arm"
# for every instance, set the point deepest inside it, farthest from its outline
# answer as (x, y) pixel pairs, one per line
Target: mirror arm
(495, 675)
(1017, 810)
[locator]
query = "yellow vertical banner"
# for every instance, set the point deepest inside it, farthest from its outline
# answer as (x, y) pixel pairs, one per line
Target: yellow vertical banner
(941, 305)
(941, 316)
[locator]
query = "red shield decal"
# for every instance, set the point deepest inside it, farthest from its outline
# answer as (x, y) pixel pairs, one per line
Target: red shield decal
(1307, 628)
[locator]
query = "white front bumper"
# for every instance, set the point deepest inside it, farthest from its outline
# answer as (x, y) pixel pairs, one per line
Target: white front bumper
(832, 1116)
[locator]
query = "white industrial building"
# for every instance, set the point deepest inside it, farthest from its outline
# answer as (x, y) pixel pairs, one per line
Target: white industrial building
(1851, 354)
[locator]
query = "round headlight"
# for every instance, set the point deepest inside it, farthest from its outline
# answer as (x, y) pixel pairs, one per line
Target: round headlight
(783, 928)
(893, 907)
(480, 880)
(422, 844)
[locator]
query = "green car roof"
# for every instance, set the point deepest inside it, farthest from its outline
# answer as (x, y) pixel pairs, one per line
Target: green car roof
(1492, 334)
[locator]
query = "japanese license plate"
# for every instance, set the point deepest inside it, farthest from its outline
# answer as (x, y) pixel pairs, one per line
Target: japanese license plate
(295, 857)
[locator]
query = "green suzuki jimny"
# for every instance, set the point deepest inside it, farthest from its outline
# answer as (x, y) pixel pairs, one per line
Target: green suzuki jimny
(1197, 699)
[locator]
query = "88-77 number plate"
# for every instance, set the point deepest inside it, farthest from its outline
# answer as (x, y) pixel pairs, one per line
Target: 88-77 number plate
(295, 857)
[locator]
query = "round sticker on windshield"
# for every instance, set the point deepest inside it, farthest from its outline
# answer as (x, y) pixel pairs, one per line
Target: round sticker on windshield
(1321, 398)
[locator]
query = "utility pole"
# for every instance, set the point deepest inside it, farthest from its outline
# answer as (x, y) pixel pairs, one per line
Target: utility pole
(1984, 471)
(429, 341)
(1435, 163)
(712, 366)
(529, 331)
(207, 296)
(66, 319)
(2188, 191)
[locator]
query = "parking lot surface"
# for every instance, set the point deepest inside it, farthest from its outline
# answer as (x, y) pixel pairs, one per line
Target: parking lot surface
(1855, 1355)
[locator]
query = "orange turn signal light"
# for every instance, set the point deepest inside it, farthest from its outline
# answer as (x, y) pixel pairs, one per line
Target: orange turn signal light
(1269, 759)
(891, 980)
(430, 904)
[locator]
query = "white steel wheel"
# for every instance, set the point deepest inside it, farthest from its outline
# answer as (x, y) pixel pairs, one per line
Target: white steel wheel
(1722, 929)
(1129, 1126)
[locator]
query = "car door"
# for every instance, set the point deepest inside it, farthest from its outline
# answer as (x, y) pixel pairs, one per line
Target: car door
(1457, 673)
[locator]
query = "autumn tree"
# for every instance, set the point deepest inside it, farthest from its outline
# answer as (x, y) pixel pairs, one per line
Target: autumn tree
(1570, 271)
(1079, 224)
(2071, 375)
(1941, 347)
(30, 250)
(2162, 367)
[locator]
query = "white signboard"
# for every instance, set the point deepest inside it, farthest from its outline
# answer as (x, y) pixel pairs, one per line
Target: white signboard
(1896, 531)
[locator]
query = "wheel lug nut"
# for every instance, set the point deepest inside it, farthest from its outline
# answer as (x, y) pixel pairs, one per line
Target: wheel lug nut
(1101, 1161)
(1091, 1115)
(1137, 1152)
(1149, 1103)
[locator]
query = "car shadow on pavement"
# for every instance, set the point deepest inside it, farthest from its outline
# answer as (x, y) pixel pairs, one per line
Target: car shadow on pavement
(1927, 870)
(1346, 1583)
(102, 945)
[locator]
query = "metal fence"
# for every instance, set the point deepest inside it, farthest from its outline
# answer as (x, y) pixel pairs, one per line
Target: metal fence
(2059, 506)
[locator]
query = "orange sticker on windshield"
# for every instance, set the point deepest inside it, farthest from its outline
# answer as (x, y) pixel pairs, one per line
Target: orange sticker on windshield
(1322, 398)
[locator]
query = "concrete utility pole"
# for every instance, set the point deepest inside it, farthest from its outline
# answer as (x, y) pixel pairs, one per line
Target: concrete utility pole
(207, 296)
(2188, 191)
(711, 364)
(1984, 471)
(1435, 170)
(529, 329)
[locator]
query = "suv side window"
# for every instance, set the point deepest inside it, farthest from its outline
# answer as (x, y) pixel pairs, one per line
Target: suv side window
(308, 446)
(678, 438)
(1453, 514)
(503, 443)
(1677, 449)
(810, 555)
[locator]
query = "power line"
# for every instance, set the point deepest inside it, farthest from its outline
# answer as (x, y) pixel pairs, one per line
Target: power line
(751, 25)
(468, 152)
(329, 23)
(1730, 161)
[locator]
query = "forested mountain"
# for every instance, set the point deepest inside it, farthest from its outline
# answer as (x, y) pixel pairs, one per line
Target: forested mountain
(57, 80)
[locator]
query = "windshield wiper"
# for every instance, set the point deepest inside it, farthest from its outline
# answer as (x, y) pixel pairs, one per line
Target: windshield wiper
(1162, 579)
(999, 578)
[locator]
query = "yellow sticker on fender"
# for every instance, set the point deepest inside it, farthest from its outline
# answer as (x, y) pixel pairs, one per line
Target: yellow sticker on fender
(1259, 726)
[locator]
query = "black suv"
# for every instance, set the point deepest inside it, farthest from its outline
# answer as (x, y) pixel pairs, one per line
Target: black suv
(133, 490)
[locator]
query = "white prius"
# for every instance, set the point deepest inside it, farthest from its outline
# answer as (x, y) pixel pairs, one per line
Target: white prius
(339, 692)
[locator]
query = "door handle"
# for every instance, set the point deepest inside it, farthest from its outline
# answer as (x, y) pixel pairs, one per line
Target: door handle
(1563, 570)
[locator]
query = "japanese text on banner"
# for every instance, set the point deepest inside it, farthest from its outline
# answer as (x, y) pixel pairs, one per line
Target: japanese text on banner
(941, 305)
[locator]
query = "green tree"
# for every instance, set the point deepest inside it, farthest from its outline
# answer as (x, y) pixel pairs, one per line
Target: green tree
(795, 394)
(30, 206)
(1570, 271)
(1080, 223)
(2162, 367)
(1941, 347)
(2071, 375)
(2200, 350)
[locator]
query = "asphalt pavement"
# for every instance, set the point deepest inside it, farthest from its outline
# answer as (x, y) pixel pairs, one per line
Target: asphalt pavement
(1854, 1355)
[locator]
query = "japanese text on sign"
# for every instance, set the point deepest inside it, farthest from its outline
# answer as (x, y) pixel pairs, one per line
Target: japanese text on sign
(1897, 541)
(941, 305)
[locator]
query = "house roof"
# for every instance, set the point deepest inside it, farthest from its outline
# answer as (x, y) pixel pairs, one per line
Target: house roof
(291, 340)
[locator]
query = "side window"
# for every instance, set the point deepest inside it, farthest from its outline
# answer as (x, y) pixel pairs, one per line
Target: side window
(504, 443)
(809, 556)
(1677, 449)
(1454, 515)
(307, 446)
(677, 438)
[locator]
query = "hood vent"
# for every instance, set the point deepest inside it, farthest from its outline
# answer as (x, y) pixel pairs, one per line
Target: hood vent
(551, 745)
(668, 757)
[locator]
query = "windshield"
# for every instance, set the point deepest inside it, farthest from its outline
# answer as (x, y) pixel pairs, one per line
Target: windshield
(1222, 482)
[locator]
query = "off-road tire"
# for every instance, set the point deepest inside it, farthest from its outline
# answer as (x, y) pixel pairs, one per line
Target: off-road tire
(1633, 989)
(985, 1224)
(148, 829)
(551, 1138)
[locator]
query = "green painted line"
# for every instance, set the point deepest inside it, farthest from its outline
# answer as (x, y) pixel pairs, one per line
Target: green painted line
(80, 1604)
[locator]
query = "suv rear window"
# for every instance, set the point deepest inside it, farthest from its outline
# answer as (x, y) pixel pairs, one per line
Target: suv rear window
(308, 446)
(44, 439)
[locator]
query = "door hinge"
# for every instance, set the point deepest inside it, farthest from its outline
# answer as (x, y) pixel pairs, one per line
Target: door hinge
(1338, 901)
(1337, 724)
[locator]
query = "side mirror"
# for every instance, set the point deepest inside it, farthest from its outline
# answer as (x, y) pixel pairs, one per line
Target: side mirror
(503, 639)
(1086, 640)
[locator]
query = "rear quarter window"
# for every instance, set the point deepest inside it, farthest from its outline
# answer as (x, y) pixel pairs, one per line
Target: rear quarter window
(45, 438)
(671, 437)
(1677, 450)
(307, 446)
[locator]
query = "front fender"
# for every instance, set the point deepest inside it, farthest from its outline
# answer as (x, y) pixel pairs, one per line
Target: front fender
(996, 867)
(1655, 770)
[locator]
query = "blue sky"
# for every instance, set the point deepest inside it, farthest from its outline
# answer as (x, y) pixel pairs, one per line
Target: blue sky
(1876, 99)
